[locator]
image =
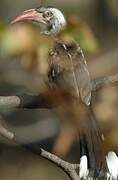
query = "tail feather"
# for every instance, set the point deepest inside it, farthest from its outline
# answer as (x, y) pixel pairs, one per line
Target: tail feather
(91, 146)
(112, 162)
(83, 169)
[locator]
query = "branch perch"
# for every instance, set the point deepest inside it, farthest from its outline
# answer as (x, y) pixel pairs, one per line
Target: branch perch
(28, 101)
(24, 101)
(69, 168)
(99, 82)
(42, 101)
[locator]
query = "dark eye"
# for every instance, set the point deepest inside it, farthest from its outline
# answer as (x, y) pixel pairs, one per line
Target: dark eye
(47, 14)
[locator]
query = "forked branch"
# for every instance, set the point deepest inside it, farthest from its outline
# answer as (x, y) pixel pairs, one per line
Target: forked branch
(69, 168)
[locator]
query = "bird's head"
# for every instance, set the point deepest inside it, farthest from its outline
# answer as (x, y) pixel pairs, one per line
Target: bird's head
(51, 20)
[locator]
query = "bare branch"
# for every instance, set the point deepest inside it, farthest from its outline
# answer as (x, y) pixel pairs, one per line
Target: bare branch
(6, 133)
(99, 82)
(9, 101)
(25, 101)
(42, 101)
(69, 168)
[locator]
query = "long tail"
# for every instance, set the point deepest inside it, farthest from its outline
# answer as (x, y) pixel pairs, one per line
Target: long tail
(91, 146)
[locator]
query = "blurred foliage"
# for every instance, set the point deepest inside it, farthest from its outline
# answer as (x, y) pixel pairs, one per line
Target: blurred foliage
(2, 26)
(19, 38)
(24, 40)
(82, 33)
(113, 6)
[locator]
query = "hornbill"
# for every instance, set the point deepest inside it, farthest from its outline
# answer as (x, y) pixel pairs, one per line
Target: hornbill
(68, 74)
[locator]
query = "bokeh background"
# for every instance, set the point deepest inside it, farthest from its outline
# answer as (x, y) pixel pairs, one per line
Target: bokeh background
(94, 25)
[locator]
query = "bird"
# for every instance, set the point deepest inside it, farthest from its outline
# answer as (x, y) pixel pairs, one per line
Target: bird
(68, 72)
(52, 21)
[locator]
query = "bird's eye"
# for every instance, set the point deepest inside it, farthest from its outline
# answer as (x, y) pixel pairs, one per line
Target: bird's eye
(47, 14)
